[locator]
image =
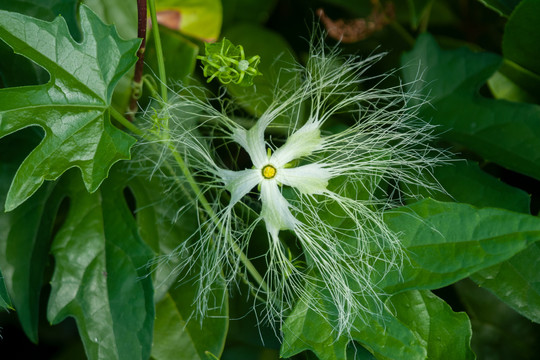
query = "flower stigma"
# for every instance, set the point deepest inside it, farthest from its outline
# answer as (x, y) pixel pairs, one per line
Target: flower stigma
(269, 172)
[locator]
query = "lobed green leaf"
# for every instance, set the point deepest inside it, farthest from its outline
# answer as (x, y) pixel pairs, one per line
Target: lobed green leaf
(500, 131)
(73, 107)
(16, 70)
(46, 11)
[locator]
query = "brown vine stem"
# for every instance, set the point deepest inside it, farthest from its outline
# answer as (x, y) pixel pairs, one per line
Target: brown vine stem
(136, 85)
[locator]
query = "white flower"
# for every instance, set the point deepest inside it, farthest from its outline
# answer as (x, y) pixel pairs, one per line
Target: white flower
(271, 170)
(337, 185)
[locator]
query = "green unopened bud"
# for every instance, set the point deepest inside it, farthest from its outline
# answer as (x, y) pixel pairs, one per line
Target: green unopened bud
(228, 64)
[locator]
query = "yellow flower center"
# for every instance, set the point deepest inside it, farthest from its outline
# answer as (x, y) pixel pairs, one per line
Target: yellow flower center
(268, 172)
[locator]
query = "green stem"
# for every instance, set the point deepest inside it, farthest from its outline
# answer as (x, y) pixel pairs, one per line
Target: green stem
(198, 193)
(159, 50)
(127, 124)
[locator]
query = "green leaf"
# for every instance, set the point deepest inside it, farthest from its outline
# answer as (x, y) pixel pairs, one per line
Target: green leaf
(520, 41)
(516, 282)
(465, 182)
(15, 70)
(306, 329)
(276, 57)
(159, 228)
(178, 330)
(100, 275)
(421, 326)
(498, 331)
(446, 242)
(197, 18)
(356, 352)
(24, 235)
(24, 241)
(46, 10)
(387, 338)
(73, 108)
(121, 13)
(444, 333)
(503, 7)
(447, 71)
(525, 80)
(504, 132)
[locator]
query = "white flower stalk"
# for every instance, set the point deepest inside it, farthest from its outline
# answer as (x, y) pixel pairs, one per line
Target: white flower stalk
(321, 193)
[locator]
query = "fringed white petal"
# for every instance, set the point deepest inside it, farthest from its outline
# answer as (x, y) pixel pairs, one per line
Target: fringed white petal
(301, 143)
(308, 179)
(275, 208)
(252, 141)
(239, 183)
